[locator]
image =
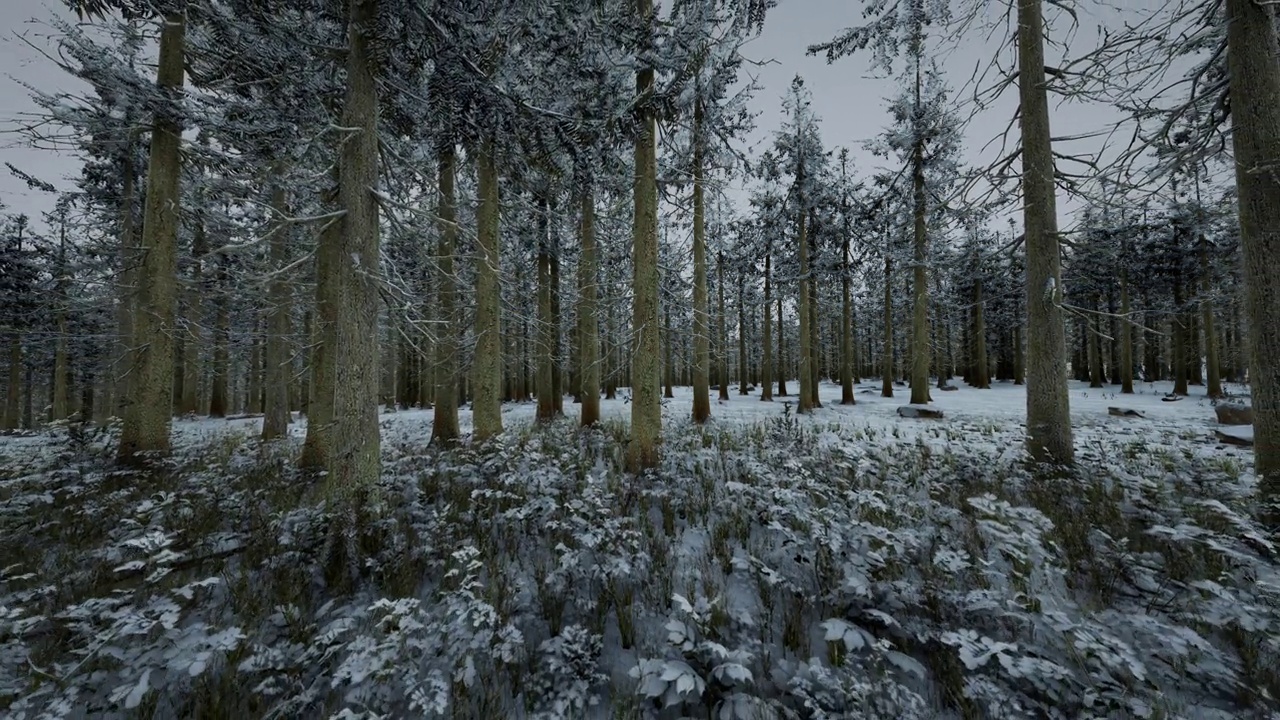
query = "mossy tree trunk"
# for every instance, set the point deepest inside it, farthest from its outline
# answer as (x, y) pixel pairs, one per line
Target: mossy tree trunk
(347, 299)
(486, 368)
(148, 410)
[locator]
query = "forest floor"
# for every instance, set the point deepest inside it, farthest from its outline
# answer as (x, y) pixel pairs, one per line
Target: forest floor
(849, 564)
(1188, 423)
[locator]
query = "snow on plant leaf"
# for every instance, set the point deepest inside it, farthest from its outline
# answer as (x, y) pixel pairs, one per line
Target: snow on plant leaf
(853, 637)
(907, 663)
(732, 674)
(134, 697)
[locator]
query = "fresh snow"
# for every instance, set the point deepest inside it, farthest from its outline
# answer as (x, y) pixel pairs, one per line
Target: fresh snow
(1190, 422)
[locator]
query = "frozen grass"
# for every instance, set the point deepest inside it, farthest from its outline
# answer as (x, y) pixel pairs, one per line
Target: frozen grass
(850, 564)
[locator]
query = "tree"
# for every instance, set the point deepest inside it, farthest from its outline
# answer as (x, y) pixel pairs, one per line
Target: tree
(345, 435)
(646, 396)
(1049, 437)
(17, 304)
(1252, 46)
(147, 411)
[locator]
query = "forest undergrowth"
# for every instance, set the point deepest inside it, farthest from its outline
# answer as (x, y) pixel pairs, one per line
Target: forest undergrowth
(784, 569)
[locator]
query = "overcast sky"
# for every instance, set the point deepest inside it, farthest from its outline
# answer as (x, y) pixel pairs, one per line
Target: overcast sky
(851, 105)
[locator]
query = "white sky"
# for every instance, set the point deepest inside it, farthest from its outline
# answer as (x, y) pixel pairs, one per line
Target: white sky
(850, 104)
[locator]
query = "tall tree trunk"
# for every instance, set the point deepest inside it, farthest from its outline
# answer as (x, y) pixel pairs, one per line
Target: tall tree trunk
(1092, 329)
(920, 350)
(13, 393)
(122, 366)
(444, 427)
(28, 398)
(1049, 437)
(722, 335)
(802, 304)
(646, 402)
(1179, 344)
(668, 368)
(846, 327)
(279, 371)
(701, 325)
(782, 352)
(588, 303)
(60, 407)
(557, 381)
(1126, 337)
(305, 390)
(814, 344)
(766, 366)
(193, 339)
(347, 288)
(1195, 368)
(1019, 357)
(253, 389)
(148, 412)
(743, 380)
(1214, 389)
(981, 364)
(546, 371)
(886, 361)
(486, 368)
(1113, 372)
(219, 393)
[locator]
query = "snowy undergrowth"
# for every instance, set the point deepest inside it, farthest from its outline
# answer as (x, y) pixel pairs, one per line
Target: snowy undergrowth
(776, 570)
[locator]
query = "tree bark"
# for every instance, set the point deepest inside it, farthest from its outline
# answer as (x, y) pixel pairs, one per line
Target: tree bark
(1126, 337)
(1214, 389)
(846, 326)
(782, 352)
(701, 325)
(646, 403)
(1179, 344)
(148, 411)
(981, 363)
(802, 304)
(1255, 87)
(486, 368)
(444, 427)
(766, 367)
(742, 335)
(588, 302)
(557, 379)
(920, 350)
(347, 277)
(189, 403)
(546, 341)
(814, 341)
(722, 337)
(1092, 330)
(886, 362)
(60, 407)
(1049, 438)
(253, 384)
(219, 393)
(279, 370)
(13, 393)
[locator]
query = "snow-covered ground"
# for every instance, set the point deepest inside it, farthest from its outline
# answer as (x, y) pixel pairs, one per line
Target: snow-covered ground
(1189, 422)
(848, 564)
